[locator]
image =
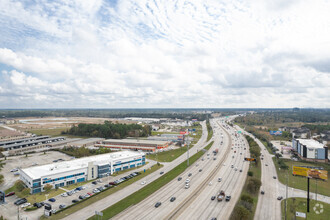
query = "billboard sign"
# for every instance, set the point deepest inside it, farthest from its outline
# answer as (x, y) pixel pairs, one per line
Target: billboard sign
(310, 172)
(250, 159)
(275, 133)
(194, 120)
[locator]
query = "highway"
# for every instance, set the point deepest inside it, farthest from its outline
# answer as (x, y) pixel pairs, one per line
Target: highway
(102, 204)
(195, 202)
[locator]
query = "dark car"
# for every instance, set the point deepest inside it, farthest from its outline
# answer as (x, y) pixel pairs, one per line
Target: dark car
(228, 198)
(213, 198)
(10, 194)
(274, 177)
(51, 200)
(280, 198)
(42, 203)
(37, 204)
(161, 172)
(213, 218)
(189, 174)
(180, 178)
(106, 185)
(112, 183)
(262, 192)
(62, 206)
(81, 197)
(200, 170)
(20, 201)
(172, 199)
(75, 201)
(158, 204)
(94, 182)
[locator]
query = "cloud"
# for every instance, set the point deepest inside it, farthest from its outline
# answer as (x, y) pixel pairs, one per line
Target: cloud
(165, 54)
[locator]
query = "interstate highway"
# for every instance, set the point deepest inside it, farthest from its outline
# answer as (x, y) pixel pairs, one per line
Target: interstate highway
(89, 211)
(199, 182)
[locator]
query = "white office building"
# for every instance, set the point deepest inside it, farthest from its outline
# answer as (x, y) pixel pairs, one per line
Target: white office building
(79, 170)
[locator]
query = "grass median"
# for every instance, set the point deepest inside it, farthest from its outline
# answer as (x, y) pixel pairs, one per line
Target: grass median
(317, 210)
(146, 191)
(99, 196)
(299, 182)
(247, 203)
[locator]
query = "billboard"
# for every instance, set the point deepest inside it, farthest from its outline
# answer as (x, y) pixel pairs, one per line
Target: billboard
(310, 172)
(250, 159)
(275, 132)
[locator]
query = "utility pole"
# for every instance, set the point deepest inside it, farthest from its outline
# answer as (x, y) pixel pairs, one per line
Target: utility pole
(188, 150)
(316, 189)
(286, 197)
(308, 194)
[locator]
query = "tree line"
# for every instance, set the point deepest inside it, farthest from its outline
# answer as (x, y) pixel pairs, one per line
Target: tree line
(109, 130)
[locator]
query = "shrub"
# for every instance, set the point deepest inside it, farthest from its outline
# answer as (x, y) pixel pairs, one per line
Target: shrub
(240, 213)
(253, 185)
(250, 173)
(19, 185)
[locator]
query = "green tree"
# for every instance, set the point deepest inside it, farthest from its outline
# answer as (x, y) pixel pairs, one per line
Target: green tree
(19, 185)
(253, 185)
(47, 188)
(25, 192)
(250, 173)
(240, 213)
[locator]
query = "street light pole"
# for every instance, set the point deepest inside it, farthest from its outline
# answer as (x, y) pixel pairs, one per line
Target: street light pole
(188, 150)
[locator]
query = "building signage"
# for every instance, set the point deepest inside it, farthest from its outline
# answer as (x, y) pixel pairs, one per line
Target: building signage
(309, 172)
(250, 159)
(118, 162)
(275, 133)
(194, 120)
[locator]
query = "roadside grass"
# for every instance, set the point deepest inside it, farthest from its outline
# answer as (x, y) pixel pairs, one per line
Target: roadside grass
(300, 205)
(299, 182)
(146, 191)
(55, 132)
(128, 170)
(247, 204)
(209, 131)
(76, 207)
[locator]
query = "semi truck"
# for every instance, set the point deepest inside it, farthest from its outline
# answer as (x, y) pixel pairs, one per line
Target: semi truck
(221, 196)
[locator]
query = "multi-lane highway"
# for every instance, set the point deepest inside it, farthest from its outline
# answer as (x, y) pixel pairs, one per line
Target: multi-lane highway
(195, 202)
(102, 204)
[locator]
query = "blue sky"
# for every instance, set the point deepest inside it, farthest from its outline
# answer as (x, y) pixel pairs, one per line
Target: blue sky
(160, 54)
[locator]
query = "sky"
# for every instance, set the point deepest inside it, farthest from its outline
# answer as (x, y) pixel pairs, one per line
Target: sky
(164, 54)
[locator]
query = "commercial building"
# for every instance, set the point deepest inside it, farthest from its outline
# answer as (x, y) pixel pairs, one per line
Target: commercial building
(133, 144)
(167, 137)
(311, 150)
(28, 142)
(79, 170)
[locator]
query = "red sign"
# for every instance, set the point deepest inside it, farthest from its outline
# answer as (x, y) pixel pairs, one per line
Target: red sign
(183, 132)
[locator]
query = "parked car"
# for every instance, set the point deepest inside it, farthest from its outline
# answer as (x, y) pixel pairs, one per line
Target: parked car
(62, 206)
(14, 170)
(25, 205)
(87, 195)
(200, 170)
(161, 172)
(94, 182)
(172, 199)
(180, 178)
(20, 201)
(81, 197)
(189, 174)
(37, 204)
(10, 194)
(262, 192)
(112, 183)
(90, 194)
(213, 198)
(158, 204)
(75, 201)
(106, 185)
(143, 182)
(274, 177)
(96, 191)
(51, 200)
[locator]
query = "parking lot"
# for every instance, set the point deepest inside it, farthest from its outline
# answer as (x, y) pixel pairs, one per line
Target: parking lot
(24, 162)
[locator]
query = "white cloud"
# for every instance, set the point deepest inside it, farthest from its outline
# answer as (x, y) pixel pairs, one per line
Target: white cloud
(166, 54)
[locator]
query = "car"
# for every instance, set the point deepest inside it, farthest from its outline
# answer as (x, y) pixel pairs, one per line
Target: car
(262, 192)
(34, 164)
(51, 200)
(14, 170)
(200, 170)
(189, 174)
(202, 159)
(25, 205)
(87, 195)
(64, 194)
(90, 194)
(112, 183)
(172, 199)
(143, 182)
(232, 166)
(20, 201)
(158, 204)
(53, 211)
(10, 194)
(106, 186)
(62, 206)
(213, 198)
(161, 173)
(274, 177)
(37, 204)
(236, 169)
(187, 180)
(219, 179)
(214, 158)
(81, 197)
(214, 218)
(78, 188)
(75, 201)
(280, 198)
(233, 156)
(96, 191)
(69, 193)
(240, 170)
(55, 161)
(228, 198)
(266, 165)
(42, 203)
(101, 188)
(180, 178)
(187, 186)
(94, 182)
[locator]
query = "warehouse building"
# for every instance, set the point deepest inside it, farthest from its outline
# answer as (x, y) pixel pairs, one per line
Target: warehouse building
(79, 170)
(133, 144)
(28, 142)
(311, 150)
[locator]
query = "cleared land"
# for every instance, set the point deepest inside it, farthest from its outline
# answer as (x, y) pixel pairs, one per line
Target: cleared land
(323, 187)
(321, 212)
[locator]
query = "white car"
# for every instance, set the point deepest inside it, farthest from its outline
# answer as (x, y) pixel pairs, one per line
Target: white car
(187, 186)
(187, 180)
(143, 182)
(64, 194)
(25, 205)
(219, 179)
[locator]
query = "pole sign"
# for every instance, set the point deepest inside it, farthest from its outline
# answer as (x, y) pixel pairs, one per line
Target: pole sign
(249, 159)
(310, 172)
(276, 133)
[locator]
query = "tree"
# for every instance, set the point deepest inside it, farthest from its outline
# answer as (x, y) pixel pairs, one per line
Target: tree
(25, 192)
(253, 185)
(48, 187)
(240, 213)
(250, 173)
(19, 185)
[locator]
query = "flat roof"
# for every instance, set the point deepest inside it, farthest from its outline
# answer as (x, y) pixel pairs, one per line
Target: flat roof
(23, 140)
(31, 142)
(135, 141)
(311, 143)
(37, 172)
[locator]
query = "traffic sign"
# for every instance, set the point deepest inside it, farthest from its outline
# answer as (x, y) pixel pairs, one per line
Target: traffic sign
(250, 159)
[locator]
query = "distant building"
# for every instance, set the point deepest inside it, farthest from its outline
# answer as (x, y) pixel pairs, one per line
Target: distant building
(28, 142)
(133, 144)
(288, 129)
(79, 170)
(311, 150)
(301, 133)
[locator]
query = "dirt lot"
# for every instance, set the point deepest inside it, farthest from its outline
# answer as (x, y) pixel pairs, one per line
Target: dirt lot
(24, 162)
(5, 133)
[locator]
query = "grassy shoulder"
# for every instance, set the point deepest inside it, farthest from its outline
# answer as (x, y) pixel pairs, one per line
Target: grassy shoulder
(247, 204)
(317, 210)
(299, 182)
(143, 193)
(209, 131)
(76, 207)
